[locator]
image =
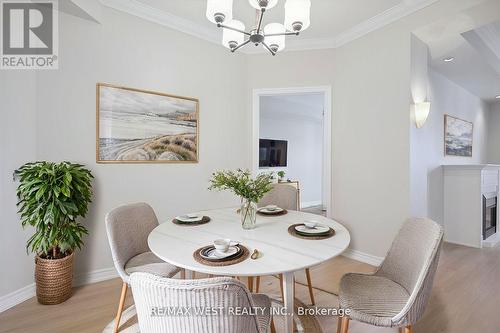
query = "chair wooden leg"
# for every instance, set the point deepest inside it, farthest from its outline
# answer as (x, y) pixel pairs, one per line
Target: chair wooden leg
(281, 286)
(250, 283)
(257, 284)
(273, 328)
(408, 329)
(120, 306)
(345, 325)
(339, 324)
(309, 285)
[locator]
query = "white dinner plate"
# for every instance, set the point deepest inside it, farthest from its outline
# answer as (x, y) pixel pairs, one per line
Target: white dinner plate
(319, 229)
(268, 211)
(214, 254)
(189, 218)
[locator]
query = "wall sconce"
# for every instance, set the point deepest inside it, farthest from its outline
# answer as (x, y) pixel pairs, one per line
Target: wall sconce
(421, 113)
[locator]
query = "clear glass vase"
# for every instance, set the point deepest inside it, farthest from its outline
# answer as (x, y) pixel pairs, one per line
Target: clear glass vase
(248, 213)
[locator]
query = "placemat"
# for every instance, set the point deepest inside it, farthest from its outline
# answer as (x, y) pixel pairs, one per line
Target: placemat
(201, 260)
(205, 219)
(283, 212)
(293, 232)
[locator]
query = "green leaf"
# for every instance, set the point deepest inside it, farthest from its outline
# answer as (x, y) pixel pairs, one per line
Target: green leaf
(40, 192)
(57, 191)
(67, 178)
(66, 191)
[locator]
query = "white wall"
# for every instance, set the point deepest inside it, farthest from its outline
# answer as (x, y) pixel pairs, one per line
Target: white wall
(370, 121)
(17, 146)
(284, 119)
(370, 185)
(427, 143)
(420, 92)
(127, 51)
(494, 134)
(370, 147)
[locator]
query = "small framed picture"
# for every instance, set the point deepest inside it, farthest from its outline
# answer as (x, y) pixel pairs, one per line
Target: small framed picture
(458, 136)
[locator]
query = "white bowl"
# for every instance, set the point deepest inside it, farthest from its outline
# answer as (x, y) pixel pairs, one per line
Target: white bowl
(311, 224)
(271, 207)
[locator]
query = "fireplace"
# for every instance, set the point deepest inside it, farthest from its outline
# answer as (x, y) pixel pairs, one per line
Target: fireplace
(489, 214)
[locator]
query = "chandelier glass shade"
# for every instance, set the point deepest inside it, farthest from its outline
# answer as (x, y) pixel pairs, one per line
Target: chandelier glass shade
(297, 13)
(232, 38)
(219, 11)
(272, 36)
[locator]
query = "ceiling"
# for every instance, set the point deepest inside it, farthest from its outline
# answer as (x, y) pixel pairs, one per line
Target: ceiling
(333, 22)
(473, 40)
(342, 14)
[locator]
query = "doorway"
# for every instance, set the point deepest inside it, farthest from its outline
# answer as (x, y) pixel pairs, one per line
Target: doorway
(297, 121)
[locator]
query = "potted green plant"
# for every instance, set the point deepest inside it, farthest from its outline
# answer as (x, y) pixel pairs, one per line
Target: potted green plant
(249, 189)
(51, 198)
(281, 175)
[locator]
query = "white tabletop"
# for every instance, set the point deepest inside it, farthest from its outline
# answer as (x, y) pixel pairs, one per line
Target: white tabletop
(281, 252)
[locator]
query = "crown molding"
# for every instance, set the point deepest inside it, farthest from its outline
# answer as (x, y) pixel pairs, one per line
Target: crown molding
(374, 23)
(146, 12)
(393, 14)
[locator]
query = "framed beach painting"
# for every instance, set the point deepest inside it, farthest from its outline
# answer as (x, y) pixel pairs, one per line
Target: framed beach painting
(140, 126)
(458, 134)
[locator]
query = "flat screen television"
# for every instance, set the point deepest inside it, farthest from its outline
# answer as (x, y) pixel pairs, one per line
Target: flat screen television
(272, 153)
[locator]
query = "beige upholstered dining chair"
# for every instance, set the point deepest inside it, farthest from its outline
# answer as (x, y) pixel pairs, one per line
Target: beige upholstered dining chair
(154, 294)
(282, 195)
(285, 196)
(128, 227)
(397, 293)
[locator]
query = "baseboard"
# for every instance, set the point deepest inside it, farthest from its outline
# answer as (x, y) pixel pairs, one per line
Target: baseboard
(363, 257)
(308, 204)
(95, 276)
(463, 243)
(14, 298)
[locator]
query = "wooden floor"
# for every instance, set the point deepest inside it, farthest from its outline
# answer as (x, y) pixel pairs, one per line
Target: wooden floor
(318, 210)
(465, 299)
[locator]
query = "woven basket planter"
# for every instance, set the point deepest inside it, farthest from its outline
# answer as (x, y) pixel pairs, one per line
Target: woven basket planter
(53, 279)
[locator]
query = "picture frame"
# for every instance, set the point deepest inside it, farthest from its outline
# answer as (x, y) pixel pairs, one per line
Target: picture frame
(143, 126)
(458, 137)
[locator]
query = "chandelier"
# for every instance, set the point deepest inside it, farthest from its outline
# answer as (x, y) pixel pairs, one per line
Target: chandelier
(272, 36)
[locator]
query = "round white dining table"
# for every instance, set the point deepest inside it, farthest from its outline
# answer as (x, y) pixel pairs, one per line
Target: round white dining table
(281, 253)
